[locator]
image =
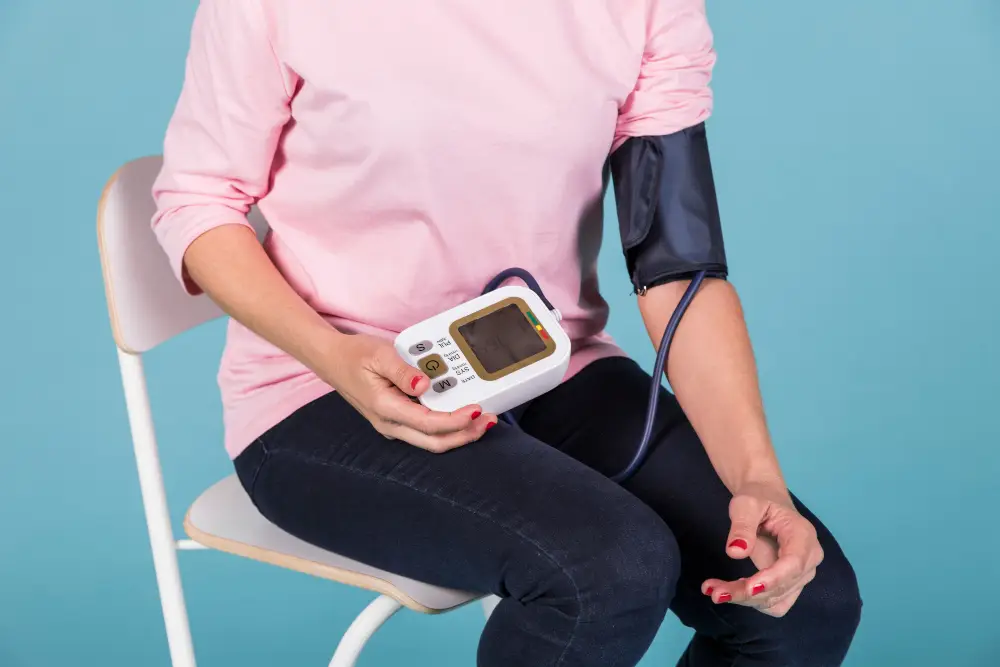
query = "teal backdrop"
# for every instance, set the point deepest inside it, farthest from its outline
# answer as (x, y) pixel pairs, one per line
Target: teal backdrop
(857, 152)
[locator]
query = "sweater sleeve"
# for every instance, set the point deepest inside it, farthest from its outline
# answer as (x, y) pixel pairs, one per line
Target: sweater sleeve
(672, 92)
(223, 134)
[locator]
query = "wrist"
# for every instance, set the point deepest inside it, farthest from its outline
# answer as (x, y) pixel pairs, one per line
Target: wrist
(757, 468)
(766, 481)
(322, 346)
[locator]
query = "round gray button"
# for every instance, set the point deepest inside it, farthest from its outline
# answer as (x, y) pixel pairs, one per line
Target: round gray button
(444, 384)
(421, 347)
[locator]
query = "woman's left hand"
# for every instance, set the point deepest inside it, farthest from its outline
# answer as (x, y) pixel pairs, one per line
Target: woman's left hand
(782, 544)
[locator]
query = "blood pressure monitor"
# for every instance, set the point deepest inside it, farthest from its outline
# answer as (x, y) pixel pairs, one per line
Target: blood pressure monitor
(498, 351)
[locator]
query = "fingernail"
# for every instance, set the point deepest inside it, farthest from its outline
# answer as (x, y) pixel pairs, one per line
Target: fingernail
(725, 597)
(475, 415)
(758, 589)
(490, 425)
(739, 544)
(415, 382)
(709, 591)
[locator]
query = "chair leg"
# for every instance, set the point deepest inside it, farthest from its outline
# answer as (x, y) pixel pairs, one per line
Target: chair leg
(154, 501)
(490, 603)
(364, 626)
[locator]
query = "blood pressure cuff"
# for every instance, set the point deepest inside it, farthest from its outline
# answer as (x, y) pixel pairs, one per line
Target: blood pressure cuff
(668, 213)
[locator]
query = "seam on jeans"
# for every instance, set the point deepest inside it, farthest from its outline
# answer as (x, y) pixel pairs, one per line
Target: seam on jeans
(741, 643)
(469, 510)
(260, 466)
(722, 619)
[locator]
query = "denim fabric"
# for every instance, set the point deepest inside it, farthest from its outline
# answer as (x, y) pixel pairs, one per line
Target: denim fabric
(586, 568)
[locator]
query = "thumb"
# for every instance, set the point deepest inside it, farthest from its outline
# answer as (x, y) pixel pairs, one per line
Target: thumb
(746, 514)
(391, 366)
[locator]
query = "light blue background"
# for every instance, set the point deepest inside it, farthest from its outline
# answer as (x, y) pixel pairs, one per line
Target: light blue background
(857, 155)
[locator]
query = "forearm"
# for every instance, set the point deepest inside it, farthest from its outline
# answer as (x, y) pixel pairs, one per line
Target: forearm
(229, 264)
(713, 374)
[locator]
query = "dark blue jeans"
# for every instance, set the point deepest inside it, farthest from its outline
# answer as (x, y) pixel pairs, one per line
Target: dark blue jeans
(586, 568)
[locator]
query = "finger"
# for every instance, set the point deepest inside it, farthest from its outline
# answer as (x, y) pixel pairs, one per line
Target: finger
(741, 592)
(771, 600)
(781, 609)
(438, 444)
(388, 364)
(724, 592)
(394, 407)
(746, 514)
(780, 605)
(794, 561)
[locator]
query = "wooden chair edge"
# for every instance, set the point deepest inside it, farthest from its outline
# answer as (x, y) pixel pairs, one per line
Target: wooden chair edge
(323, 571)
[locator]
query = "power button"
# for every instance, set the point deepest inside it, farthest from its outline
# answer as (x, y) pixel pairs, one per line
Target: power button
(433, 365)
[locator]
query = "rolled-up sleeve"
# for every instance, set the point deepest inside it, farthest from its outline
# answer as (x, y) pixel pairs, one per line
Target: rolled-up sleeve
(220, 142)
(673, 88)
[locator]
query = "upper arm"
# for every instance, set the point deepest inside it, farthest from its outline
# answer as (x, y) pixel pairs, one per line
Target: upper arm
(672, 91)
(220, 142)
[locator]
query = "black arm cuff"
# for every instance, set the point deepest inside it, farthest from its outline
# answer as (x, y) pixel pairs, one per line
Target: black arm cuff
(668, 213)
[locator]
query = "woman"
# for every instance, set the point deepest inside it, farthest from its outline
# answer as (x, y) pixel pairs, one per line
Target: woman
(403, 153)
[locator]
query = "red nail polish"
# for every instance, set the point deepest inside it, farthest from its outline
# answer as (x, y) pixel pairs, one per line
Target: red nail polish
(415, 382)
(490, 425)
(725, 597)
(475, 415)
(709, 591)
(739, 544)
(758, 589)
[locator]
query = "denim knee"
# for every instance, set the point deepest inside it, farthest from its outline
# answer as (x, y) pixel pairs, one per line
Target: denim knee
(631, 564)
(836, 606)
(821, 625)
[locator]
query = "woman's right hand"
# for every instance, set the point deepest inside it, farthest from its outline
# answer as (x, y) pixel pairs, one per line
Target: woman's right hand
(371, 376)
(230, 265)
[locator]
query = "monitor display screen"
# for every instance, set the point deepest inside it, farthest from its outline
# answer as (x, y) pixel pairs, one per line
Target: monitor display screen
(502, 338)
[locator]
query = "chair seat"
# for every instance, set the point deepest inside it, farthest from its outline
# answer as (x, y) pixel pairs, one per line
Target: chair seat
(224, 518)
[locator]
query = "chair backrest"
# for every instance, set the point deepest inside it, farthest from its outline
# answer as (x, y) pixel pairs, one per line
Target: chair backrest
(146, 303)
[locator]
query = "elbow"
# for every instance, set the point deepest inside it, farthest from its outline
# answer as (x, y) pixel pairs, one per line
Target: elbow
(177, 227)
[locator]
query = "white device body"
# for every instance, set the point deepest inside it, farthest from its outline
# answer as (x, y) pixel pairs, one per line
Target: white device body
(460, 377)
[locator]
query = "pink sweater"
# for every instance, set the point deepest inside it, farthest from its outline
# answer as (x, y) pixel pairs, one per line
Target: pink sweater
(403, 153)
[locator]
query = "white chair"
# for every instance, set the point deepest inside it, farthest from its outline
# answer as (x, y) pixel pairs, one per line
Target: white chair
(147, 308)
